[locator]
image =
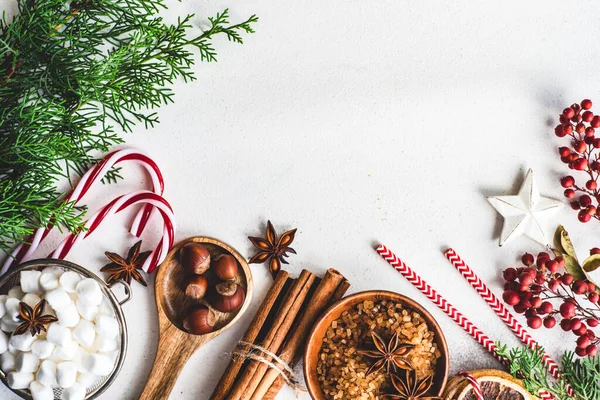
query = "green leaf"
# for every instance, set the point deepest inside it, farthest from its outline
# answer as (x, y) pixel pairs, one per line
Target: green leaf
(557, 239)
(573, 267)
(566, 244)
(591, 263)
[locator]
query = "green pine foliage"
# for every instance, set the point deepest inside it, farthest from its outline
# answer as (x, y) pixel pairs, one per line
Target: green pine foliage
(74, 74)
(583, 374)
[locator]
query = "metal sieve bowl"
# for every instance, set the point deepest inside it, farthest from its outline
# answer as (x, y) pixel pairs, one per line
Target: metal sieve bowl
(12, 278)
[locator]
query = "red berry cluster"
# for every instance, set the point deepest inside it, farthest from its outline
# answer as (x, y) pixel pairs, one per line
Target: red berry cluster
(545, 292)
(580, 124)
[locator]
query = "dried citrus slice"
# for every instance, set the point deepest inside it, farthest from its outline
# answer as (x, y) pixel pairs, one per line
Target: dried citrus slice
(495, 385)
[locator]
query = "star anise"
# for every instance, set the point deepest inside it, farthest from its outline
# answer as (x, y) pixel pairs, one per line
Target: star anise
(409, 387)
(390, 356)
(126, 268)
(272, 250)
(33, 320)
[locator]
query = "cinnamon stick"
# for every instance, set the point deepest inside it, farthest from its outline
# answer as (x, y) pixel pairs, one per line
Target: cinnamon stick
(289, 309)
(313, 309)
(236, 363)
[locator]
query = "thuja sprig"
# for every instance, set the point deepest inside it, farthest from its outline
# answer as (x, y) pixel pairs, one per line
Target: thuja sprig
(583, 374)
(71, 76)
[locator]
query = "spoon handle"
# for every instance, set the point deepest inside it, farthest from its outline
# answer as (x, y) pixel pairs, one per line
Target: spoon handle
(174, 350)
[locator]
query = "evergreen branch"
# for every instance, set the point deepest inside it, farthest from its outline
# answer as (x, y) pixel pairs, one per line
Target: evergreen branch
(70, 73)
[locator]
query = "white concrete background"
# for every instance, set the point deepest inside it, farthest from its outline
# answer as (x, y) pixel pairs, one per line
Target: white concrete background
(359, 122)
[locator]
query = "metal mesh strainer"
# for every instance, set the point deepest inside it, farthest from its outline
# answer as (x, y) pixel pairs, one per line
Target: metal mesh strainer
(12, 278)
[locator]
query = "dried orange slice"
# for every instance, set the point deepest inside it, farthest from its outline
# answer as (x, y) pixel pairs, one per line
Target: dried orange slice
(495, 385)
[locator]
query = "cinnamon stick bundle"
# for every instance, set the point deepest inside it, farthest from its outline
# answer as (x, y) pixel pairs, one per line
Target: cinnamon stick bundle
(280, 326)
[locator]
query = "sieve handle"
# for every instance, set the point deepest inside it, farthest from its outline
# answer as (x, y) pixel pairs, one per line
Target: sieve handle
(126, 289)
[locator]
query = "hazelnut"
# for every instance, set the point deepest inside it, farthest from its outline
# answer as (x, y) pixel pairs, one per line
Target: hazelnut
(195, 258)
(200, 321)
(229, 297)
(225, 267)
(196, 287)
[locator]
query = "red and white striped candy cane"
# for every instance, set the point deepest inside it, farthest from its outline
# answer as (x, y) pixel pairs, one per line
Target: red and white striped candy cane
(24, 251)
(509, 320)
(441, 302)
(117, 205)
(474, 384)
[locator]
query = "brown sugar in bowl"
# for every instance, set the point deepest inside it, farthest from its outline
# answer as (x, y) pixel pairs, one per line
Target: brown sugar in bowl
(319, 330)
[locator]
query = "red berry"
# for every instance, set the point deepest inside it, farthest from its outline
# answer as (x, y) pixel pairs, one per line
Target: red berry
(534, 322)
(511, 297)
(580, 128)
(552, 266)
(561, 261)
(519, 309)
(567, 181)
(583, 341)
(549, 322)
(575, 205)
(591, 185)
(591, 210)
(536, 302)
(580, 147)
(565, 324)
(546, 308)
(567, 310)
(530, 313)
(592, 323)
(580, 164)
(594, 250)
(567, 128)
(559, 131)
(581, 331)
(586, 104)
(580, 287)
(587, 116)
(569, 193)
(567, 279)
(564, 151)
(523, 288)
(568, 112)
(509, 274)
(553, 284)
(580, 352)
(525, 279)
(594, 297)
(527, 259)
(589, 132)
(596, 122)
(591, 287)
(585, 200)
(592, 350)
(540, 278)
(584, 216)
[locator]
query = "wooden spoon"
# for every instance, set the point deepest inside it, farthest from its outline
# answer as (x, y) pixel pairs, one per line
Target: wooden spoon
(175, 345)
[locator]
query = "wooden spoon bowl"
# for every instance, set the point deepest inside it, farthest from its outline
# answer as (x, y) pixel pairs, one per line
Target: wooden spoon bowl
(319, 330)
(175, 345)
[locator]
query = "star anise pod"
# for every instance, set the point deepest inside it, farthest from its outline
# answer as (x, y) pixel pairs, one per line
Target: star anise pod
(409, 387)
(126, 268)
(390, 355)
(272, 250)
(33, 320)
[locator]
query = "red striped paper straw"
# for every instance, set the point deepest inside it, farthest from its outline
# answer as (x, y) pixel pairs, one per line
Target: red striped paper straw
(509, 320)
(444, 305)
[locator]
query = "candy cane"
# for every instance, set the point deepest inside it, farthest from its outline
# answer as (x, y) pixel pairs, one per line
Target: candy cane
(117, 205)
(486, 294)
(443, 304)
(24, 251)
(473, 382)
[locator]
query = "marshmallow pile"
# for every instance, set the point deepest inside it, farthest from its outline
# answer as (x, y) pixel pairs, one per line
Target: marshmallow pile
(75, 352)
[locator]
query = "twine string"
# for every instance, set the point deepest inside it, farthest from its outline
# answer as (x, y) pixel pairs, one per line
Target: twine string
(262, 355)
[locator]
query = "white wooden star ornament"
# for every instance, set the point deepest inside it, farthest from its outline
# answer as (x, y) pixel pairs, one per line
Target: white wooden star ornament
(527, 213)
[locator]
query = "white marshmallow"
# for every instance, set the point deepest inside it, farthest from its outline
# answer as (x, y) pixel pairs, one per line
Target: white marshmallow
(105, 308)
(66, 352)
(3, 342)
(58, 298)
(16, 292)
(31, 299)
(27, 362)
(105, 344)
(42, 349)
(12, 349)
(46, 375)
(12, 308)
(54, 270)
(66, 374)
(85, 333)
(98, 364)
(8, 362)
(87, 379)
(89, 292)
(7, 324)
(19, 380)
(87, 312)
(41, 392)
(58, 334)
(23, 342)
(30, 281)
(78, 358)
(48, 281)
(75, 392)
(112, 355)
(68, 315)
(3, 299)
(107, 326)
(69, 281)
